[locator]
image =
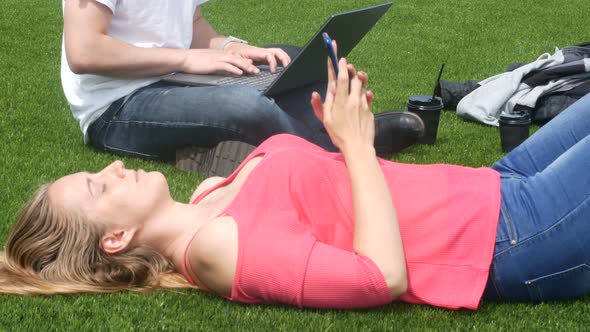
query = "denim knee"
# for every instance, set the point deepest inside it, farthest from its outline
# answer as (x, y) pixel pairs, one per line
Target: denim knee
(249, 99)
(257, 116)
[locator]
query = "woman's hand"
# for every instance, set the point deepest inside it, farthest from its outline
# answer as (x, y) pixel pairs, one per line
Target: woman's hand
(346, 112)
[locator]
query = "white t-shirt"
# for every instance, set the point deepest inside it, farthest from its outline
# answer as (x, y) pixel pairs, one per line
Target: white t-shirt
(143, 23)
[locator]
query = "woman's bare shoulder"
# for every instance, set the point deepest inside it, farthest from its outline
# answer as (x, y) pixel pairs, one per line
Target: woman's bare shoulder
(206, 184)
(213, 254)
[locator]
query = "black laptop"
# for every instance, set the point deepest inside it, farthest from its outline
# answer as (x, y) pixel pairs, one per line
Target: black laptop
(310, 63)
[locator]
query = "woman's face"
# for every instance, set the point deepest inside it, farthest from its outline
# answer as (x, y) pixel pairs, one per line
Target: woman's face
(115, 196)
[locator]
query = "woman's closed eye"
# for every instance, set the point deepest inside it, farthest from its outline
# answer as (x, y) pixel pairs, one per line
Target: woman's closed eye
(95, 189)
(89, 186)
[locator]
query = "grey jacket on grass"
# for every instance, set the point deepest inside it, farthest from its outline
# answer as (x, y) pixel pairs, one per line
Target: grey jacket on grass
(563, 71)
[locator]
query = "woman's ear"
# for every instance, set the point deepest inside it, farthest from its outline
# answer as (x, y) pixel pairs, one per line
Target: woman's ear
(116, 241)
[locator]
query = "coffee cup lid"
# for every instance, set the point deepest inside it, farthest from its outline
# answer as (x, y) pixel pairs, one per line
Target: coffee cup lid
(425, 101)
(516, 117)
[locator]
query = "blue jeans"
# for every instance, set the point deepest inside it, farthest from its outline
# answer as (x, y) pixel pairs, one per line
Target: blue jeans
(157, 119)
(543, 241)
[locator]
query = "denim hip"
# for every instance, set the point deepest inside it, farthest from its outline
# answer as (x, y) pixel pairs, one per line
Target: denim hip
(539, 257)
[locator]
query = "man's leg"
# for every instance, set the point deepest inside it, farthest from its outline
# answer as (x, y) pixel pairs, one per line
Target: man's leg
(157, 120)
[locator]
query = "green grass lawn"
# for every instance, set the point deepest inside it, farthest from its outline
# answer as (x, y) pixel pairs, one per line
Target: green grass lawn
(40, 141)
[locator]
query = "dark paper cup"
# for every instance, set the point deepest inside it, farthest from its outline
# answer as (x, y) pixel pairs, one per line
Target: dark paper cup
(514, 129)
(428, 109)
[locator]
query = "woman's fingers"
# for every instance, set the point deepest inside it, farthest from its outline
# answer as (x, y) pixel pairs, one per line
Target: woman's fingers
(356, 89)
(364, 77)
(327, 115)
(331, 87)
(328, 103)
(331, 73)
(342, 85)
(364, 80)
(317, 105)
(351, 70)
(370, 97)
(346, 111)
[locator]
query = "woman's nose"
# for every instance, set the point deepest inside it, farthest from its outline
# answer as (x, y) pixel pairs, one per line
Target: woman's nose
(116, 167)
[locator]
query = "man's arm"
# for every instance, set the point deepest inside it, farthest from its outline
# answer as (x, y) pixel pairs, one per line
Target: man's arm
(204, 36)
(90, 50)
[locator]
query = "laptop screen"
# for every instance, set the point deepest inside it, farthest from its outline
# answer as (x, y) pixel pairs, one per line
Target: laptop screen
(347, 29)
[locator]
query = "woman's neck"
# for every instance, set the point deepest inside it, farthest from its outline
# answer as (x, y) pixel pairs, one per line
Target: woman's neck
(171, 230)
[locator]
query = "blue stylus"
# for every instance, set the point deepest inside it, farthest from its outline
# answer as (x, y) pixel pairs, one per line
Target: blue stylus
(331, 53)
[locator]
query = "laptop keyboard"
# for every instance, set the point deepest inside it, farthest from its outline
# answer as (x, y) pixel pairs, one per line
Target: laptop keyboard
(260, 81)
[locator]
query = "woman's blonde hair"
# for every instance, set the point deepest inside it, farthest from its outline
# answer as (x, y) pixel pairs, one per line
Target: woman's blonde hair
(54, 251)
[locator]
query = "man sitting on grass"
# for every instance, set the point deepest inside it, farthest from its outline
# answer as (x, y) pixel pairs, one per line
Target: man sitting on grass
(115, 54)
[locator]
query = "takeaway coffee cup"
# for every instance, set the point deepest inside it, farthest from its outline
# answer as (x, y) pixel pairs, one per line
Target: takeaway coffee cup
(514, 129)
(428, 109)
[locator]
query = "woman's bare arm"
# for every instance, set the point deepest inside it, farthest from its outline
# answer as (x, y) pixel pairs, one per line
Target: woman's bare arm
(376, 229)
(213, 254)
(347, 116)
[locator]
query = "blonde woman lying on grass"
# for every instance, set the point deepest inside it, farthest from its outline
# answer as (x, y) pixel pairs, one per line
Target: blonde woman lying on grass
(299, 225)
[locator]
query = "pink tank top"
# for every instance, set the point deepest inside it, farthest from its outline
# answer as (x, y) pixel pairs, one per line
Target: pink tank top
(295, 231)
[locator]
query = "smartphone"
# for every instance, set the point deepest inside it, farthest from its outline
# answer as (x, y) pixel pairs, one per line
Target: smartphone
(331, 53)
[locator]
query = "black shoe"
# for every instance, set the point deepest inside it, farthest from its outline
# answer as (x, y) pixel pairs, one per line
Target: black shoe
(220, 160)
(395, 131)
(451, 93)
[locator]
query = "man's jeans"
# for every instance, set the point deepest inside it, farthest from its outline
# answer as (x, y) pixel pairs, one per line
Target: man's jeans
(156, 120)
(543, 240)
